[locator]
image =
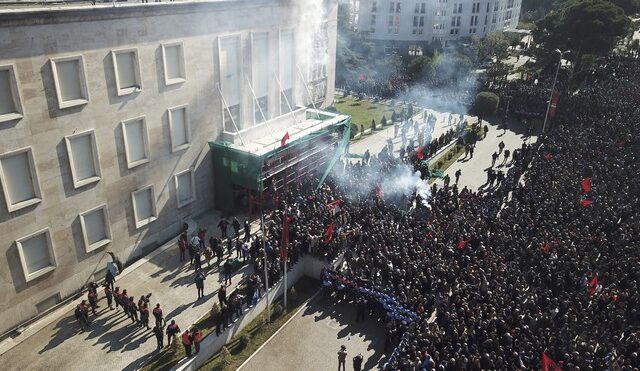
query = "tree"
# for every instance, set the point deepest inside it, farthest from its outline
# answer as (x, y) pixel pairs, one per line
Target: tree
(583, 27)
(629, 7)
(486, 104)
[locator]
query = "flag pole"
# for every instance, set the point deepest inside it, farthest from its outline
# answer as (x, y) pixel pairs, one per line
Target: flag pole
(264, 248)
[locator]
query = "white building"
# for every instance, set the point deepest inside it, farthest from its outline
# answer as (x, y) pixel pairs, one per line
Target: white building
(105, 116)
(408, 24)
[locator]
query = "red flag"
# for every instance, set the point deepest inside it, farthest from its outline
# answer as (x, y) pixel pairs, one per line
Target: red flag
(328, 234)
(463, 243)
(586, 203)
(549, 364)
(586, 185)
(285, 237)
(420, 153)
(285, 138)
(554, 104)
(592, 285)
(547, 156)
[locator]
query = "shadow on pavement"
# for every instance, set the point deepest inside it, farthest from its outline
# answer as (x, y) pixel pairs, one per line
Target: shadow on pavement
(344, 314)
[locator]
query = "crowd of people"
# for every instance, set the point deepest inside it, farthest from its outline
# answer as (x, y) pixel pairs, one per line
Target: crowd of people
(542, 265)
(503, 283)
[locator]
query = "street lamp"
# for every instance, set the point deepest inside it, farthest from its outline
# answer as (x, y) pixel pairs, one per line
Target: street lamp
(553, 88)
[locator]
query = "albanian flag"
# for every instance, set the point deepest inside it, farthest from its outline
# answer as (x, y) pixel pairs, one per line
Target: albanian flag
(285, 236)
(586, 185)
(549, 364)
(285, 138)
(586, 203)
(592, 285)
(420, 153)
(328, 234)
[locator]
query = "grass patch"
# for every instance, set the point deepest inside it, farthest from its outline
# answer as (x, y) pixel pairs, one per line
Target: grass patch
(363, 111)
(247, 341)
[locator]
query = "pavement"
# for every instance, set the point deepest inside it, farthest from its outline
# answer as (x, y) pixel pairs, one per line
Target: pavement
(473, 169)
(113, 342)
(313, 337)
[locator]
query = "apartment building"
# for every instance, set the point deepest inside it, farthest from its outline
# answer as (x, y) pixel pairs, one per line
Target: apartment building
(403, 24)
(106, 111)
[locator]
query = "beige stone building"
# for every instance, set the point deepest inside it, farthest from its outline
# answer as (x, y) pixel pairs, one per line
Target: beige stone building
(105, 114)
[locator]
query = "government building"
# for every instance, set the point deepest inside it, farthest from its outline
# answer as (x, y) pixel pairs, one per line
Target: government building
(109, 113)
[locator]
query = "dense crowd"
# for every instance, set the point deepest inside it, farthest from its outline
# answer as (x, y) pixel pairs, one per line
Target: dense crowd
(497, 283)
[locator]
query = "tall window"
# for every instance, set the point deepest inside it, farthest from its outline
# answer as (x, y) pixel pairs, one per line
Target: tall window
(136, 141)
(185, 187)
(173, 60)
(70, 81)
(260, 74)
(36, 254)
(19, 179)
(96, 229)
(179, 128)
(144, 206)
(127, 71)
(84, 159)
(10, 104)
(229, 48)
(286, 71)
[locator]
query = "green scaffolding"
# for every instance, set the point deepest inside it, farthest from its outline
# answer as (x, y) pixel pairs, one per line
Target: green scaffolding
(235, 167)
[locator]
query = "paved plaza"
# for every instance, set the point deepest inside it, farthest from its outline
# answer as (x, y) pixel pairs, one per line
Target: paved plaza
(314, 336)
(113, 342)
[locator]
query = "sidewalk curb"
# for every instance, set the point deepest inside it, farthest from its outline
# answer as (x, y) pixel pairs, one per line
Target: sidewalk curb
(278, 330)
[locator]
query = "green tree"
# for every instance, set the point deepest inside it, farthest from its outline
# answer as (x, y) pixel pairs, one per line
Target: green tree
(581, 26)
(629, 6)
(486, 104)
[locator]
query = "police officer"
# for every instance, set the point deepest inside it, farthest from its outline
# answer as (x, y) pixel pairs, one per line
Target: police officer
(172, 330)
(157, 313)
(109, 294)
(157, 331)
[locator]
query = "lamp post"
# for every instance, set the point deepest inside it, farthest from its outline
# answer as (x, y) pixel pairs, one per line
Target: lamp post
(553, 89)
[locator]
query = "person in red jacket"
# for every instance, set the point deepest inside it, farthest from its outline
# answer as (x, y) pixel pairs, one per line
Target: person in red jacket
(197, 337)
(186, 342)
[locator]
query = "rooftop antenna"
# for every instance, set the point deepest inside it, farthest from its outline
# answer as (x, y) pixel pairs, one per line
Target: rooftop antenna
(226, 106)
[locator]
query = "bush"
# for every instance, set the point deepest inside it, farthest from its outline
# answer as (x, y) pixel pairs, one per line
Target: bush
(277, 310)
(225, 356)
(486, 104)
(244, 340)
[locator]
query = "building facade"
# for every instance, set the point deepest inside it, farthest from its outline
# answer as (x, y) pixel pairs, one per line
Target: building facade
(417, 21)
(105, 116)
